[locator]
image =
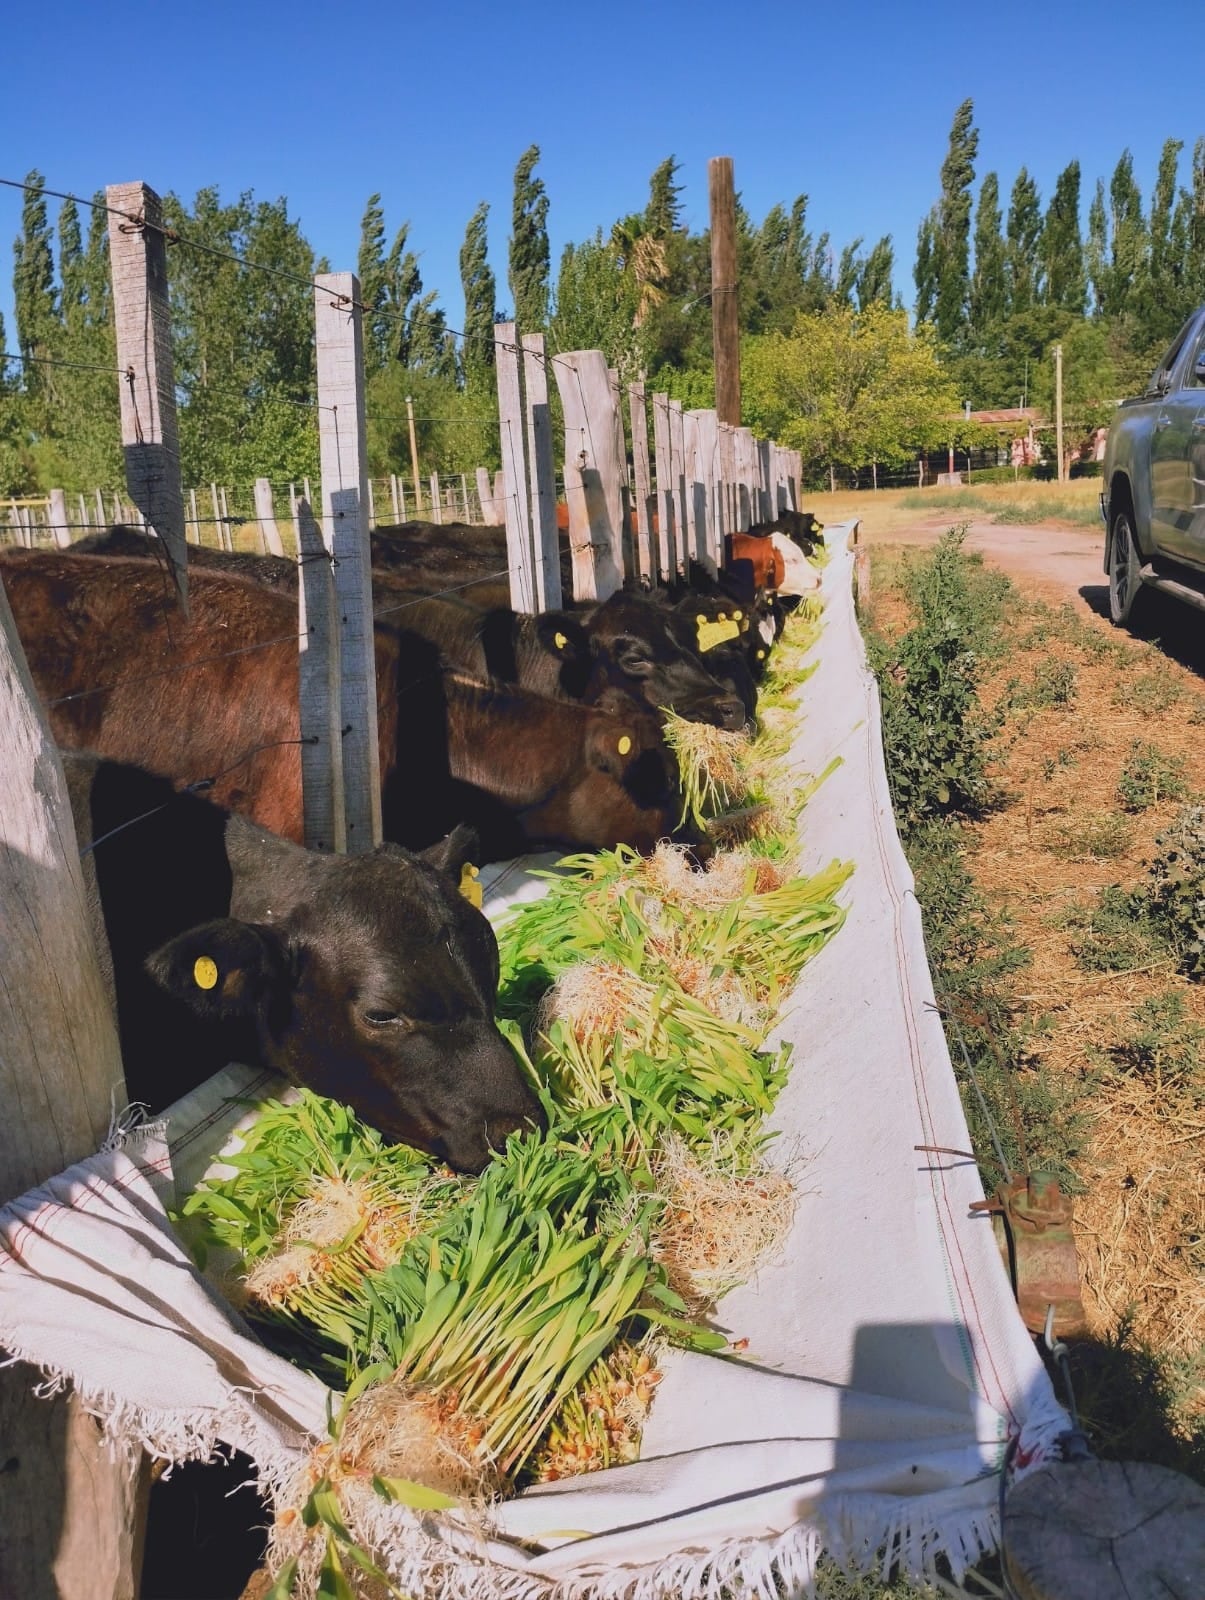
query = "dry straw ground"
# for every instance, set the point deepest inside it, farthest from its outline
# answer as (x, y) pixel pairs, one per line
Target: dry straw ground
(1102, 741)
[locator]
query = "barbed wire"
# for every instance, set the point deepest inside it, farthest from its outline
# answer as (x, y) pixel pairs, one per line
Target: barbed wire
(53, 361)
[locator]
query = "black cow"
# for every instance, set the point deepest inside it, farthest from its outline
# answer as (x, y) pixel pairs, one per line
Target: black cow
(368, 978)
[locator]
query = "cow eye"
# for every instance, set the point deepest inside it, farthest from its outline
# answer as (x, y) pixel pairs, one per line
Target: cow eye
(378, 1019)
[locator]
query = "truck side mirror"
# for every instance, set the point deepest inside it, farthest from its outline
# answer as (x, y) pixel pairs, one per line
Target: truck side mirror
(1198, 370)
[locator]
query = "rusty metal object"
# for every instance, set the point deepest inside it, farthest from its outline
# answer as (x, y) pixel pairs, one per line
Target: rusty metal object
(1033, 1220)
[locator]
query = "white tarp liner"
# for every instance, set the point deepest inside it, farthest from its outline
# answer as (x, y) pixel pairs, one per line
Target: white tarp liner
(886, 1370)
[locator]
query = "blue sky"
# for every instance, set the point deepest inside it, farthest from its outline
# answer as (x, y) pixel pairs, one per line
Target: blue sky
(432, 104)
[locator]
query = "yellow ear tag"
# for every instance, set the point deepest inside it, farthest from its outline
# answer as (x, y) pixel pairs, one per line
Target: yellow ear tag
(469, 887)
(205, 972)
(713, 633)
(761, 655)
(559, 640)
(736, 615)
(625, 744)
(701, 619)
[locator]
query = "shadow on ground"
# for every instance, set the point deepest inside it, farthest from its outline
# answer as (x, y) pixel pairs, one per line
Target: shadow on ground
(1176, 629)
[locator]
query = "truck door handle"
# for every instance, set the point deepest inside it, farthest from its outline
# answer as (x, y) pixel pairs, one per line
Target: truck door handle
(1163, 420)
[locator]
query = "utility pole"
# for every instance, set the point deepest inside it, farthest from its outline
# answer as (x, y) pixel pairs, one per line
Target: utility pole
(418, 493)
(725, 310)
(1058, 410)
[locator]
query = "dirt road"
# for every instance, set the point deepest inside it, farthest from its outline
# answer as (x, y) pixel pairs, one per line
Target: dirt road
(1063, 562)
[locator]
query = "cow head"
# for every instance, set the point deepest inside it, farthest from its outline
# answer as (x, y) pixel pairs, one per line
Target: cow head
(367, 978)
(638, 639)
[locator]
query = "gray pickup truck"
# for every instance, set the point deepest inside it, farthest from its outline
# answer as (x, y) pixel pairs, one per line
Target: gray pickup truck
(1153, 502)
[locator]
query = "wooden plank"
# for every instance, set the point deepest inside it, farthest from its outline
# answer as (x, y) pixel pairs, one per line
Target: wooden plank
(695, 512)
(266, 514)
(372, 505)
(323, 809)
(71, 1528)
(678, 459)
(393, 500)
(628, 542)
(142, 324)
(516, 507)
(725, 306)
(592, 474)
(342, 449)
(437, 510)
(545, 539)
(705, 476)
(642, 484)
(100, 509)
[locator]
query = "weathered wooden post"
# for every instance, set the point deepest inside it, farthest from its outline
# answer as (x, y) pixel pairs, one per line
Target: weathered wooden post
(227, 523)
(485, 495)
(706, 453)
(142, 323)
(266, 516)
(73, 1514)
(516, 501)
(545, 538)
(84, 524)
(322, 802)
(57, 519)
(100, 508)
(393, 501)
(342, 452)
(663, 456)
(437, 510)
(194, 526)
(725, 306)
(593, 474)
(372, 505)
(646, 567)
(677, 445)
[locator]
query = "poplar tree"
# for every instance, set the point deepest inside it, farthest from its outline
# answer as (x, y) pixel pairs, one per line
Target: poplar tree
(874, 277)
(1129, 237)
(1096, 251)
(1024, 237)
(849, 270)
(988, 293)
(1160, 302)
(1193, 209)
(664, 211)
(529, 262)
(480, 291)
(72, 292)
(379, 335)
(1062, 248)
(924, 274)
(35, 303)
(953, 227)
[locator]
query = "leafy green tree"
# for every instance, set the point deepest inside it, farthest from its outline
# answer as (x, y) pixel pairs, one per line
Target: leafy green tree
(457, 429)
(988, 290)
(1192, 210)
(1098, 368)
(875, 275)
(925, 272)
(848, 387)
(596, 305)
(529, 260)
(953, 225)
(1023, 242)
(480, 293)
(643, 257)
(849, 269)
(1159, 297)
(1062, 248)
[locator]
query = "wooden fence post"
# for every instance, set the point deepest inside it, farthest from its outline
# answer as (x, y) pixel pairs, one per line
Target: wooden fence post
(521, 555)
(194, 526)
(593, 474)
(57, 519)
(646, 567)
(545, 538)
(663, 457)
(73, 1514)
(706, 454)
(142, 323)
(342, 451)
(226, 527)
(372, 505)
(397, 515)
(84, 524)
(437, 510)
(485, 496)
(100, 508)
(322, 801)
(266, 514)
(677, 445)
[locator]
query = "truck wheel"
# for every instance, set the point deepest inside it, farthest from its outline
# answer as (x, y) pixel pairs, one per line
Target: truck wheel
(1126, 598)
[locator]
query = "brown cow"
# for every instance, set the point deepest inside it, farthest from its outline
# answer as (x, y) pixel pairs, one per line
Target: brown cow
(123, 673)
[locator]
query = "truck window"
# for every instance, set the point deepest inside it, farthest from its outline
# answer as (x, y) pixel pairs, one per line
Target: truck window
(1196, 367)
(1159, 376)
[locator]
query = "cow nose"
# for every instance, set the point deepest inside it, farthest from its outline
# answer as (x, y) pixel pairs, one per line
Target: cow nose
(730, 713)
(473, 1150)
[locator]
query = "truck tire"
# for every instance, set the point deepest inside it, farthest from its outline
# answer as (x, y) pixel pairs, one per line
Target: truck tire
(1127, 596)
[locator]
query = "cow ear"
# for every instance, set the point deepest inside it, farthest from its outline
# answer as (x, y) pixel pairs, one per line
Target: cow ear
(562, 636)
(610, 749)
(632, 655)
(450, 854)
(223, 969)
